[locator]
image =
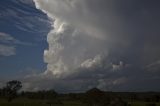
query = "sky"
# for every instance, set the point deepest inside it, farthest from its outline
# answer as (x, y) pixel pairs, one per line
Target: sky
(23, 31)
(75, 45)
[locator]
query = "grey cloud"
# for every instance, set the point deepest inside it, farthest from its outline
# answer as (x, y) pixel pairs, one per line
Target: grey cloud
(120, 66)
(153, 67)
(107, 84)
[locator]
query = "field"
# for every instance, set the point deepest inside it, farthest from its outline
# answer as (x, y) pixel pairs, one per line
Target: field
(92, 97)
(143, 104)
(29, 102)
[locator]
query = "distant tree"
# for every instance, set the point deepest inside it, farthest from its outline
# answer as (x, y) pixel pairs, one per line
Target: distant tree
(11, 89)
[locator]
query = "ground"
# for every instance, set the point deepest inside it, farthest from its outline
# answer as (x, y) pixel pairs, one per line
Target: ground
(31, 102)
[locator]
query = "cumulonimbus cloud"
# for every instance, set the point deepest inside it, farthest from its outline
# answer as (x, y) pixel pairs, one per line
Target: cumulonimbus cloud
(99, 35)
(76, 36)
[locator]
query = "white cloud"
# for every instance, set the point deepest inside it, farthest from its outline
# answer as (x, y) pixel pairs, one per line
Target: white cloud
(74, 12)
(94, 35)
(74, 39)
(77, 41)
(90, 63)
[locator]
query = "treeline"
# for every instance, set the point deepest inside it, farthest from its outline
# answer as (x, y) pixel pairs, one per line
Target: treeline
(44, 94)
(91, 97)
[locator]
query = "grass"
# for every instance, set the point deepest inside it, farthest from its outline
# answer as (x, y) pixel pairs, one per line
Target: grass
(142, 103)
(31, 102)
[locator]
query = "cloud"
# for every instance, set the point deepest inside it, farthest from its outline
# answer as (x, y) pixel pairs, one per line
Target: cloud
(120, 66)
(77, 13)
(153, 67)
(107, 84)
(8, 44)
(66, 49)
(89, 63)
(23, 16)
(8, 39)
(101, 43)
(7, 50)
(28, 2)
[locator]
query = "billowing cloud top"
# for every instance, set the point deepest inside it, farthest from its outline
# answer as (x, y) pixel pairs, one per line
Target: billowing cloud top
(108, 41)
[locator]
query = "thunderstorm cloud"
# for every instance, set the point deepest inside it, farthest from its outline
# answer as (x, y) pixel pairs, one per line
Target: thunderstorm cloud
(109, 44)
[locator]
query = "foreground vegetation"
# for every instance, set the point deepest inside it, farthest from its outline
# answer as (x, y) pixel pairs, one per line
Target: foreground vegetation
(9, 96)
(93, 97)
(29, 102)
